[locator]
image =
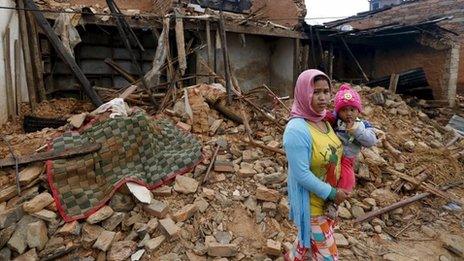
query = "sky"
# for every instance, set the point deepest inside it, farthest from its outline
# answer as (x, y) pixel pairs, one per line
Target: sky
(333, 8)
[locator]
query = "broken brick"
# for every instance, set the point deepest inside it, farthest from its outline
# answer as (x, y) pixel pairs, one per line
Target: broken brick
(156, 208)
(169, 227)
(265, 194)
(185, 212)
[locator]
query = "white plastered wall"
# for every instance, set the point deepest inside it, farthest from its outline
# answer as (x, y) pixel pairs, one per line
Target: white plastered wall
(9, 18)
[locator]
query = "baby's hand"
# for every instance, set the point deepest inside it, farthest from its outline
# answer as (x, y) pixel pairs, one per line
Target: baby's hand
(352, 127)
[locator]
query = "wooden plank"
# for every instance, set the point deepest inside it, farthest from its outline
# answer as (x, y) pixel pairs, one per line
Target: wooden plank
(63, 53)
(27, 58)
(49, 155)
(17, 68)
(36, 56)
(8, 79)
(393, 82)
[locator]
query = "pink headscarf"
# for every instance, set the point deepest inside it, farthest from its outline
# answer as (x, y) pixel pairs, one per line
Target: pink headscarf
(303, 96)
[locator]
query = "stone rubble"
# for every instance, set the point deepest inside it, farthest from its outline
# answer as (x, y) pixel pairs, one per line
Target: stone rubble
(241, 211)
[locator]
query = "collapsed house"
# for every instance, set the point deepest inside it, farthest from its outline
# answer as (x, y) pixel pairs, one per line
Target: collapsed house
(419, 40)
(262, 40)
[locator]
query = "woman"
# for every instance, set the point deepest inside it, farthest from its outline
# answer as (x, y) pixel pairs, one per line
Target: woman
(313, 152)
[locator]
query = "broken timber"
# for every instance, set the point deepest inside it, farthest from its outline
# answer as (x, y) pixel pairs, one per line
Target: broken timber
(224, 111)
(49, 155)
(63, 53)
(427, 187)
(399, 204)
(120, 70)
(355, 59)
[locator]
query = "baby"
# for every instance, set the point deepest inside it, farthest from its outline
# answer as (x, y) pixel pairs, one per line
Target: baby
(354, 134)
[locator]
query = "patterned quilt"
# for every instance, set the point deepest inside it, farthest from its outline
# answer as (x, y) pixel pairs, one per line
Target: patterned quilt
(139, 149)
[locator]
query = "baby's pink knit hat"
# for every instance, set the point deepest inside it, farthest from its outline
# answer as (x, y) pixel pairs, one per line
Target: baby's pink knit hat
(346, 96)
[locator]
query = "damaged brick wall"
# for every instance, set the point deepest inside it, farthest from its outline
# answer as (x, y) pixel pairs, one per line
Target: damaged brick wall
(391, 60)
(417, 11)
(284, 12)
(160, 7)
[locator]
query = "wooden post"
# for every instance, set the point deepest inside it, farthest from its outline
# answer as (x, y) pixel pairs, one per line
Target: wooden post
(321, 50)
(63, 53)
(36, 56)
(330, 69)
(393, 82)
(27, 58)
(304, 62)
(210, 50)
(225, 55)
(180, 41)
(354, 58)
(313, 49)
(296, 58)
(17, 68)
(8, 79)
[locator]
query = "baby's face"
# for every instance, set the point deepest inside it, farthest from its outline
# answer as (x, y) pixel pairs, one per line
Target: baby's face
(348, 114)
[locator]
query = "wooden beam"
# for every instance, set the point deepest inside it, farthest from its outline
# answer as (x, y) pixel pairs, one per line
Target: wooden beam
(36, 56)
(27, 58)
(354, 58)
(63, 53)
(49, 155)
(257, 30)
(229, 114)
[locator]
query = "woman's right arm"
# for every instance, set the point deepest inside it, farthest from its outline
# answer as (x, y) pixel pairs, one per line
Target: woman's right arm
(297, 145)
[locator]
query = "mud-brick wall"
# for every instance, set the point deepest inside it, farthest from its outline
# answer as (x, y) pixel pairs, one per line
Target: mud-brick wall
(256, 60)
(409, 56)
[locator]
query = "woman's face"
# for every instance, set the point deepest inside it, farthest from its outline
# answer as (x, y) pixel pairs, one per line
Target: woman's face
(321, 96)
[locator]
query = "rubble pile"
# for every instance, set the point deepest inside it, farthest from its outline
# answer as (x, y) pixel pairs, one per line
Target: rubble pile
(234, 204)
